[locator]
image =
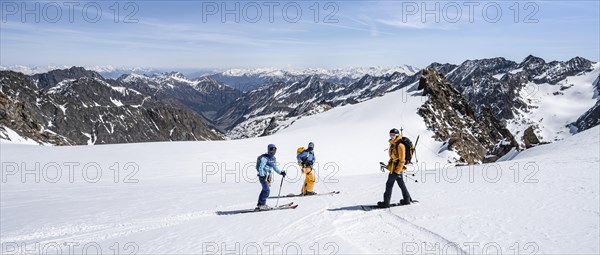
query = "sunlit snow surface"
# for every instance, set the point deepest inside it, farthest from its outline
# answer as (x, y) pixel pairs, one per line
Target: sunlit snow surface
(166, 195)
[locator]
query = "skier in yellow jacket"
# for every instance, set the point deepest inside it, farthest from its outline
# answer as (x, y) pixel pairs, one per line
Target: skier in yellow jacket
(306, 159)
(395, 165)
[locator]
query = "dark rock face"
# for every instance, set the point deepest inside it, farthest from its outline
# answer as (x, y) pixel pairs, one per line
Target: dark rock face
(589, 119)
(474, 80)
(448, 114)
(530, 138)
(272, 126)
(50, 79)
(91, 110)
(19, 113)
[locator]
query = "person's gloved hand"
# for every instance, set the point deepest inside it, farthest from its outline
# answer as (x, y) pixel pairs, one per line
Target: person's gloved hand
(382, 166)
(283, 174)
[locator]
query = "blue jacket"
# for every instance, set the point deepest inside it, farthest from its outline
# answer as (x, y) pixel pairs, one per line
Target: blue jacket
(267, 164)
(306, 157)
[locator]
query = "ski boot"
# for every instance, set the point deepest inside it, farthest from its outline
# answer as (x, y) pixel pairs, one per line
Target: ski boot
(383, 204)
(262, 208)
(402, 202)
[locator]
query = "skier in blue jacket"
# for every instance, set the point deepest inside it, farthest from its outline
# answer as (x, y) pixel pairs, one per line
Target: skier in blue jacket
(266, 166)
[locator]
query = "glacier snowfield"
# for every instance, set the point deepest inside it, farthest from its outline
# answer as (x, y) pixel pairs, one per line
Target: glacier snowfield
(165, 197)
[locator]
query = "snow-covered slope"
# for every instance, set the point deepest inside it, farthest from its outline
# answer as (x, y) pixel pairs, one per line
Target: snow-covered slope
(166, 195)
(8, 135)
(552, 107)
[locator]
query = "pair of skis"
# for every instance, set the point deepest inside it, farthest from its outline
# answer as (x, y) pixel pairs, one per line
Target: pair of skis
(375, 207)
(281, 207)
(300, 195)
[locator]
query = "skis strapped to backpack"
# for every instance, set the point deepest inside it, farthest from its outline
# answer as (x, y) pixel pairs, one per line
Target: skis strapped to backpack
(408, 149)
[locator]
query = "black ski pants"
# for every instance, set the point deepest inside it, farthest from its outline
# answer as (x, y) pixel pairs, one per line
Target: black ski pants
(389, 186)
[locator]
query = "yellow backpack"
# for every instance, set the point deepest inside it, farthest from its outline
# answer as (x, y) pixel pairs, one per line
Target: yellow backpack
(299, 150)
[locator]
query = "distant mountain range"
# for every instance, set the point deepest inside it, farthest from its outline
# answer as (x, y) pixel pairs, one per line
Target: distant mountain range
(108, 72)
(514, 104)
(250, 79)
(241, 79)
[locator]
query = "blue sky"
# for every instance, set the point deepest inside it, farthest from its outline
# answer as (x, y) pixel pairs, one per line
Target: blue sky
(192, 34)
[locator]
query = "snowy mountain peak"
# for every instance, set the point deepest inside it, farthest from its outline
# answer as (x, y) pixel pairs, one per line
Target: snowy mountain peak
(172, 79)
(579, 63)
(531, 62)
(172, 74)
(134, 77)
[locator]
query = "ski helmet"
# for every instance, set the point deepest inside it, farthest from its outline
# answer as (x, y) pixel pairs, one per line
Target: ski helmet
(394, 131)
(271, 149)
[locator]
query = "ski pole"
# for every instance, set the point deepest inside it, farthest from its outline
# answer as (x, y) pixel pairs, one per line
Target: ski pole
(416, 156)
(415, 148)
(279, 194)
(408, 177)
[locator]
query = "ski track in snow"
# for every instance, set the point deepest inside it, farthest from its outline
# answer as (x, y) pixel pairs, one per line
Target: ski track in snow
(392, 228)
(95, 233)
(444, 242)
(347, 226)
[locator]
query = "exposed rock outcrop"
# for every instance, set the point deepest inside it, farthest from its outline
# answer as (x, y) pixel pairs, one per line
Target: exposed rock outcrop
(449, 115)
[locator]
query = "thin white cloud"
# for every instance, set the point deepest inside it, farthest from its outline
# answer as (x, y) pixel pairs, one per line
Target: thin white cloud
(402, 24)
